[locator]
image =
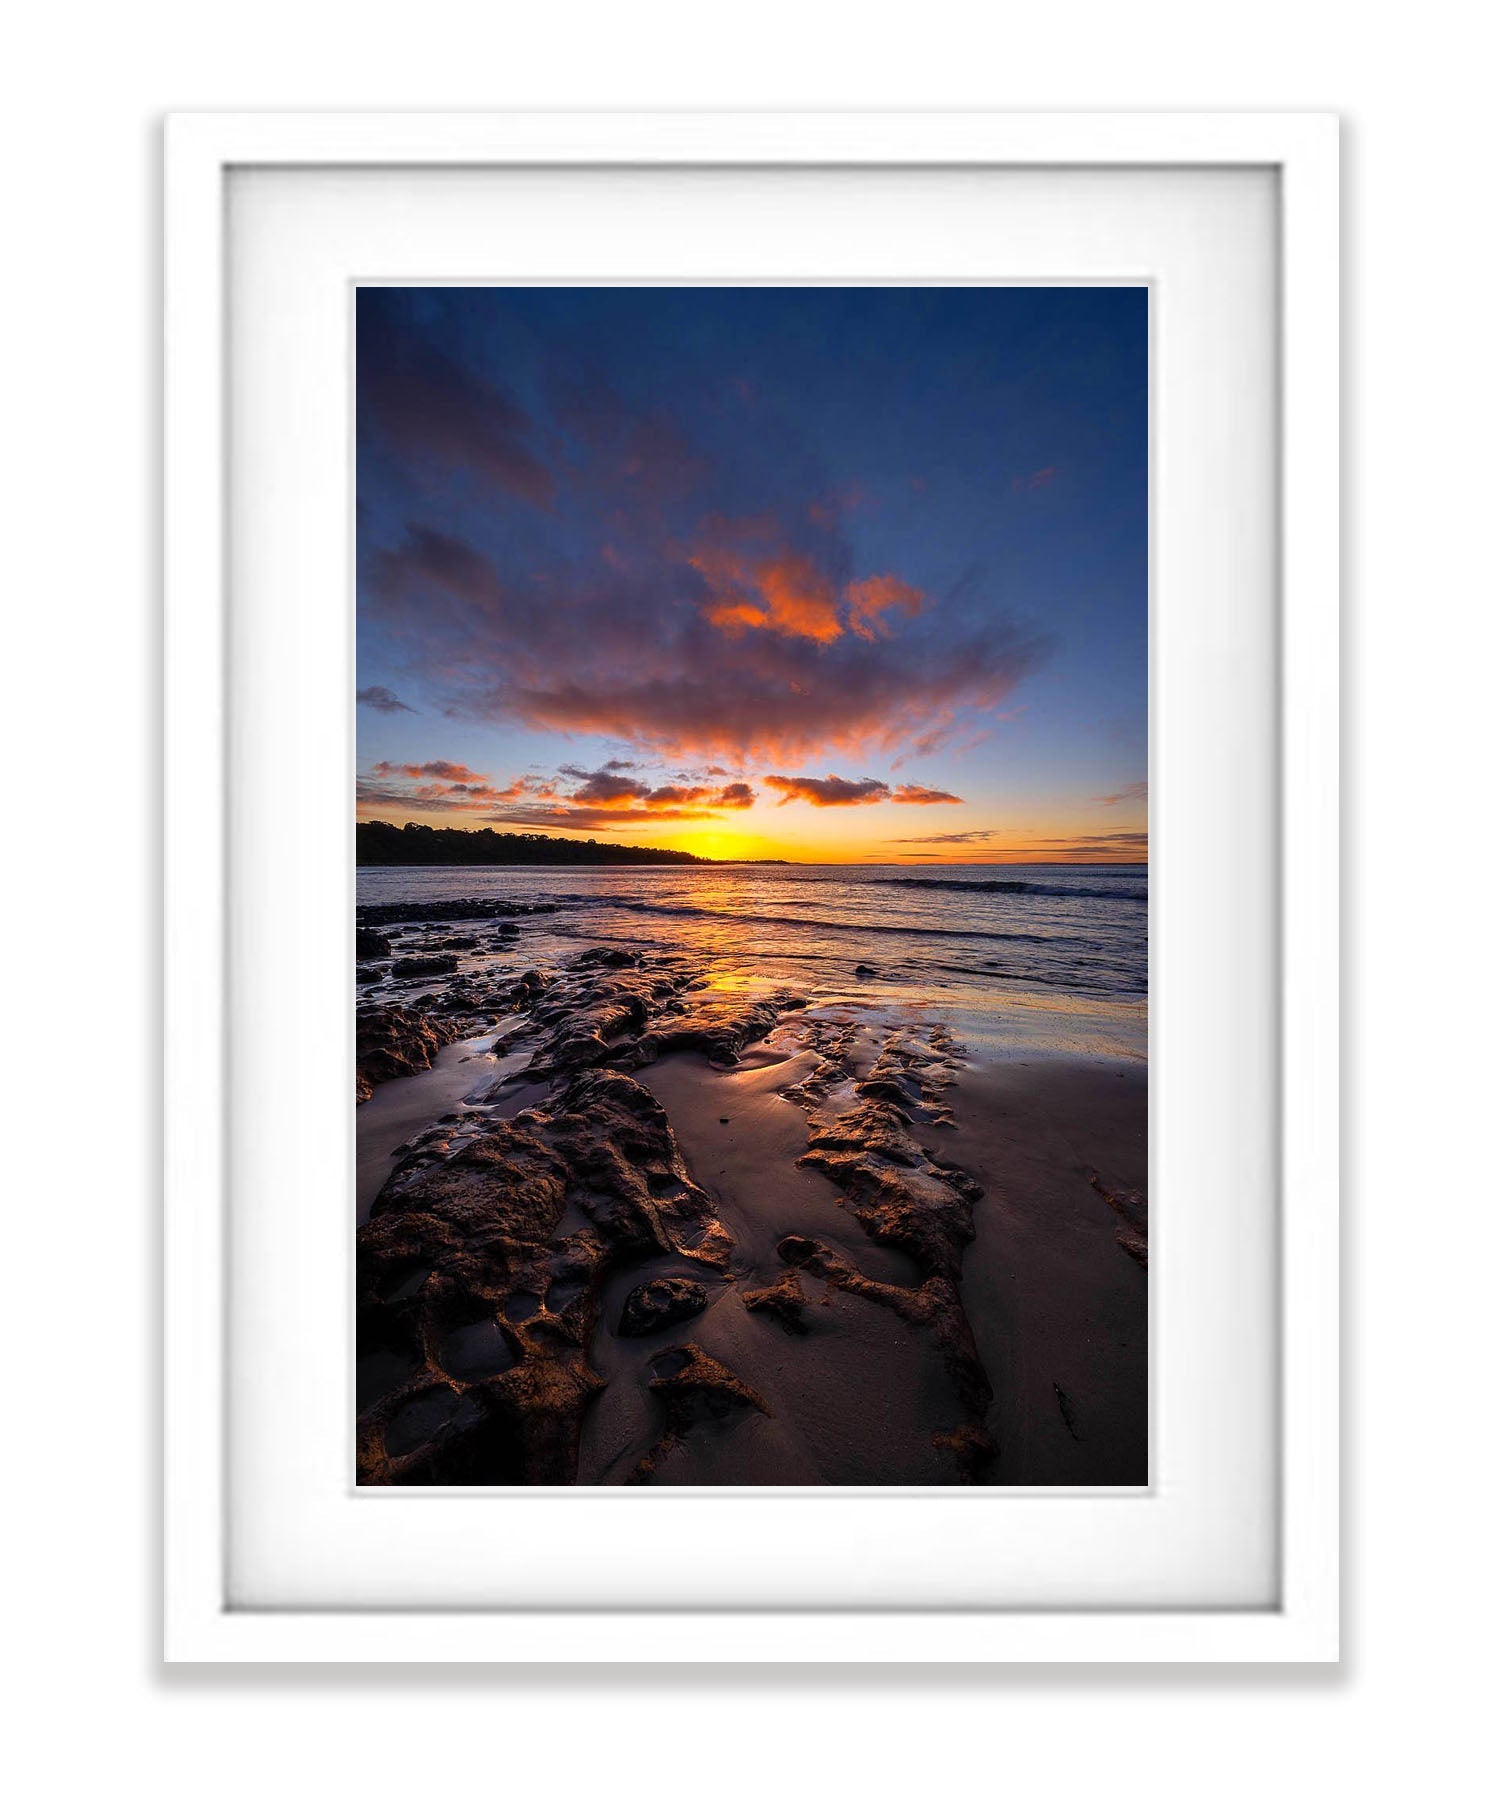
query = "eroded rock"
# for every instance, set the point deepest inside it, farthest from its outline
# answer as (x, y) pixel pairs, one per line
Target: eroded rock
(625, 1009)
(432, 912)
(694, 1389)
(656, 1304)
(412, 968)
(518, 1230)
(390, 1041)
(782, 1300)
(721, 1025)
(867, 1145)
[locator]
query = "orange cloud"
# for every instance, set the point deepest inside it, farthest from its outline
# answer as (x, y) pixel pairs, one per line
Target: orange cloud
(782, 591)
(759, 583)
(910, 794)
(443, 771)
(877, 595)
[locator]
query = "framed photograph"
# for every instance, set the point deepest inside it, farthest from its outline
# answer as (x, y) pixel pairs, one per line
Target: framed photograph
(752, 887)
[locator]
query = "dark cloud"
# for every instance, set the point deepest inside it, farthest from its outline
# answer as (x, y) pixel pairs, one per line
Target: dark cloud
(382, 700)
(837, 790)
(828, 790)
(428, 406)
(598, 788)
(675, 794)
(429, 562)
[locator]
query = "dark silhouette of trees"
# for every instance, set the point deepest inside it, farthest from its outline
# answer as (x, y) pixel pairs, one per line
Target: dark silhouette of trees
(377, 844)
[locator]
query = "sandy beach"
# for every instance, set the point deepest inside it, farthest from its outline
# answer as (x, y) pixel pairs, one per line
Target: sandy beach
(652, 1215)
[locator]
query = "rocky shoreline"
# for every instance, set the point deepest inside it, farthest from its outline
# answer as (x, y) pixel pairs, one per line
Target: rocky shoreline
(548, 1238)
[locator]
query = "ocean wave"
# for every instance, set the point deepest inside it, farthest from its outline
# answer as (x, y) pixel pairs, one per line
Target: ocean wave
(856, 927)
(1046, 888)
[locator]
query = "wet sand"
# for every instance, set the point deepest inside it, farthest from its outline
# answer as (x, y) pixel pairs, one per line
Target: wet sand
(857, 1397)
(638, 1225)
(1059, 1307)
(1058, 1310)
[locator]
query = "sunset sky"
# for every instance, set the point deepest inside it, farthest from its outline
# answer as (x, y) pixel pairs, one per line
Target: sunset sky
(832, 574)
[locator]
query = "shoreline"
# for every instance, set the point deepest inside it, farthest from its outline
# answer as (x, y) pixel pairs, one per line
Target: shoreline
(899, 1261)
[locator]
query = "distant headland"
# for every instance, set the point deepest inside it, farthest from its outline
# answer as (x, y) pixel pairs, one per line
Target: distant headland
(379, 845)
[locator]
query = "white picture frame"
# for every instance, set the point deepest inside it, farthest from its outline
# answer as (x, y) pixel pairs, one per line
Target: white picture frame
(203, 153)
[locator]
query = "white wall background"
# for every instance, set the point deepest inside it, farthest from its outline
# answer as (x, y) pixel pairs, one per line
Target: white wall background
(82, 97)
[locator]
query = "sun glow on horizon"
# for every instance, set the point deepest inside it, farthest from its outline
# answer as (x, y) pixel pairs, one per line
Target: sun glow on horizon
(849, 837)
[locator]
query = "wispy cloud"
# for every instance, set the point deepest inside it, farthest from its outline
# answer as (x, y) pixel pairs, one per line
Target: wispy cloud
(977, 836)
(1132, 790)
(872, 599)
(1121, 846)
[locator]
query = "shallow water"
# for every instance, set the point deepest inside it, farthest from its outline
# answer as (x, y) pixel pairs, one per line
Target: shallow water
(1033, 957)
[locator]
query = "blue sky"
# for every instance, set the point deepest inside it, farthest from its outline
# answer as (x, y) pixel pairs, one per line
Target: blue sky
(824, 572)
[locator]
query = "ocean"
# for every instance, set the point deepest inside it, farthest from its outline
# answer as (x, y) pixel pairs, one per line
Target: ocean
(1015, 957)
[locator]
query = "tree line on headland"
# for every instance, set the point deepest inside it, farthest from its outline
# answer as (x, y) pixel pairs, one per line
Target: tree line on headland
(376, 844)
